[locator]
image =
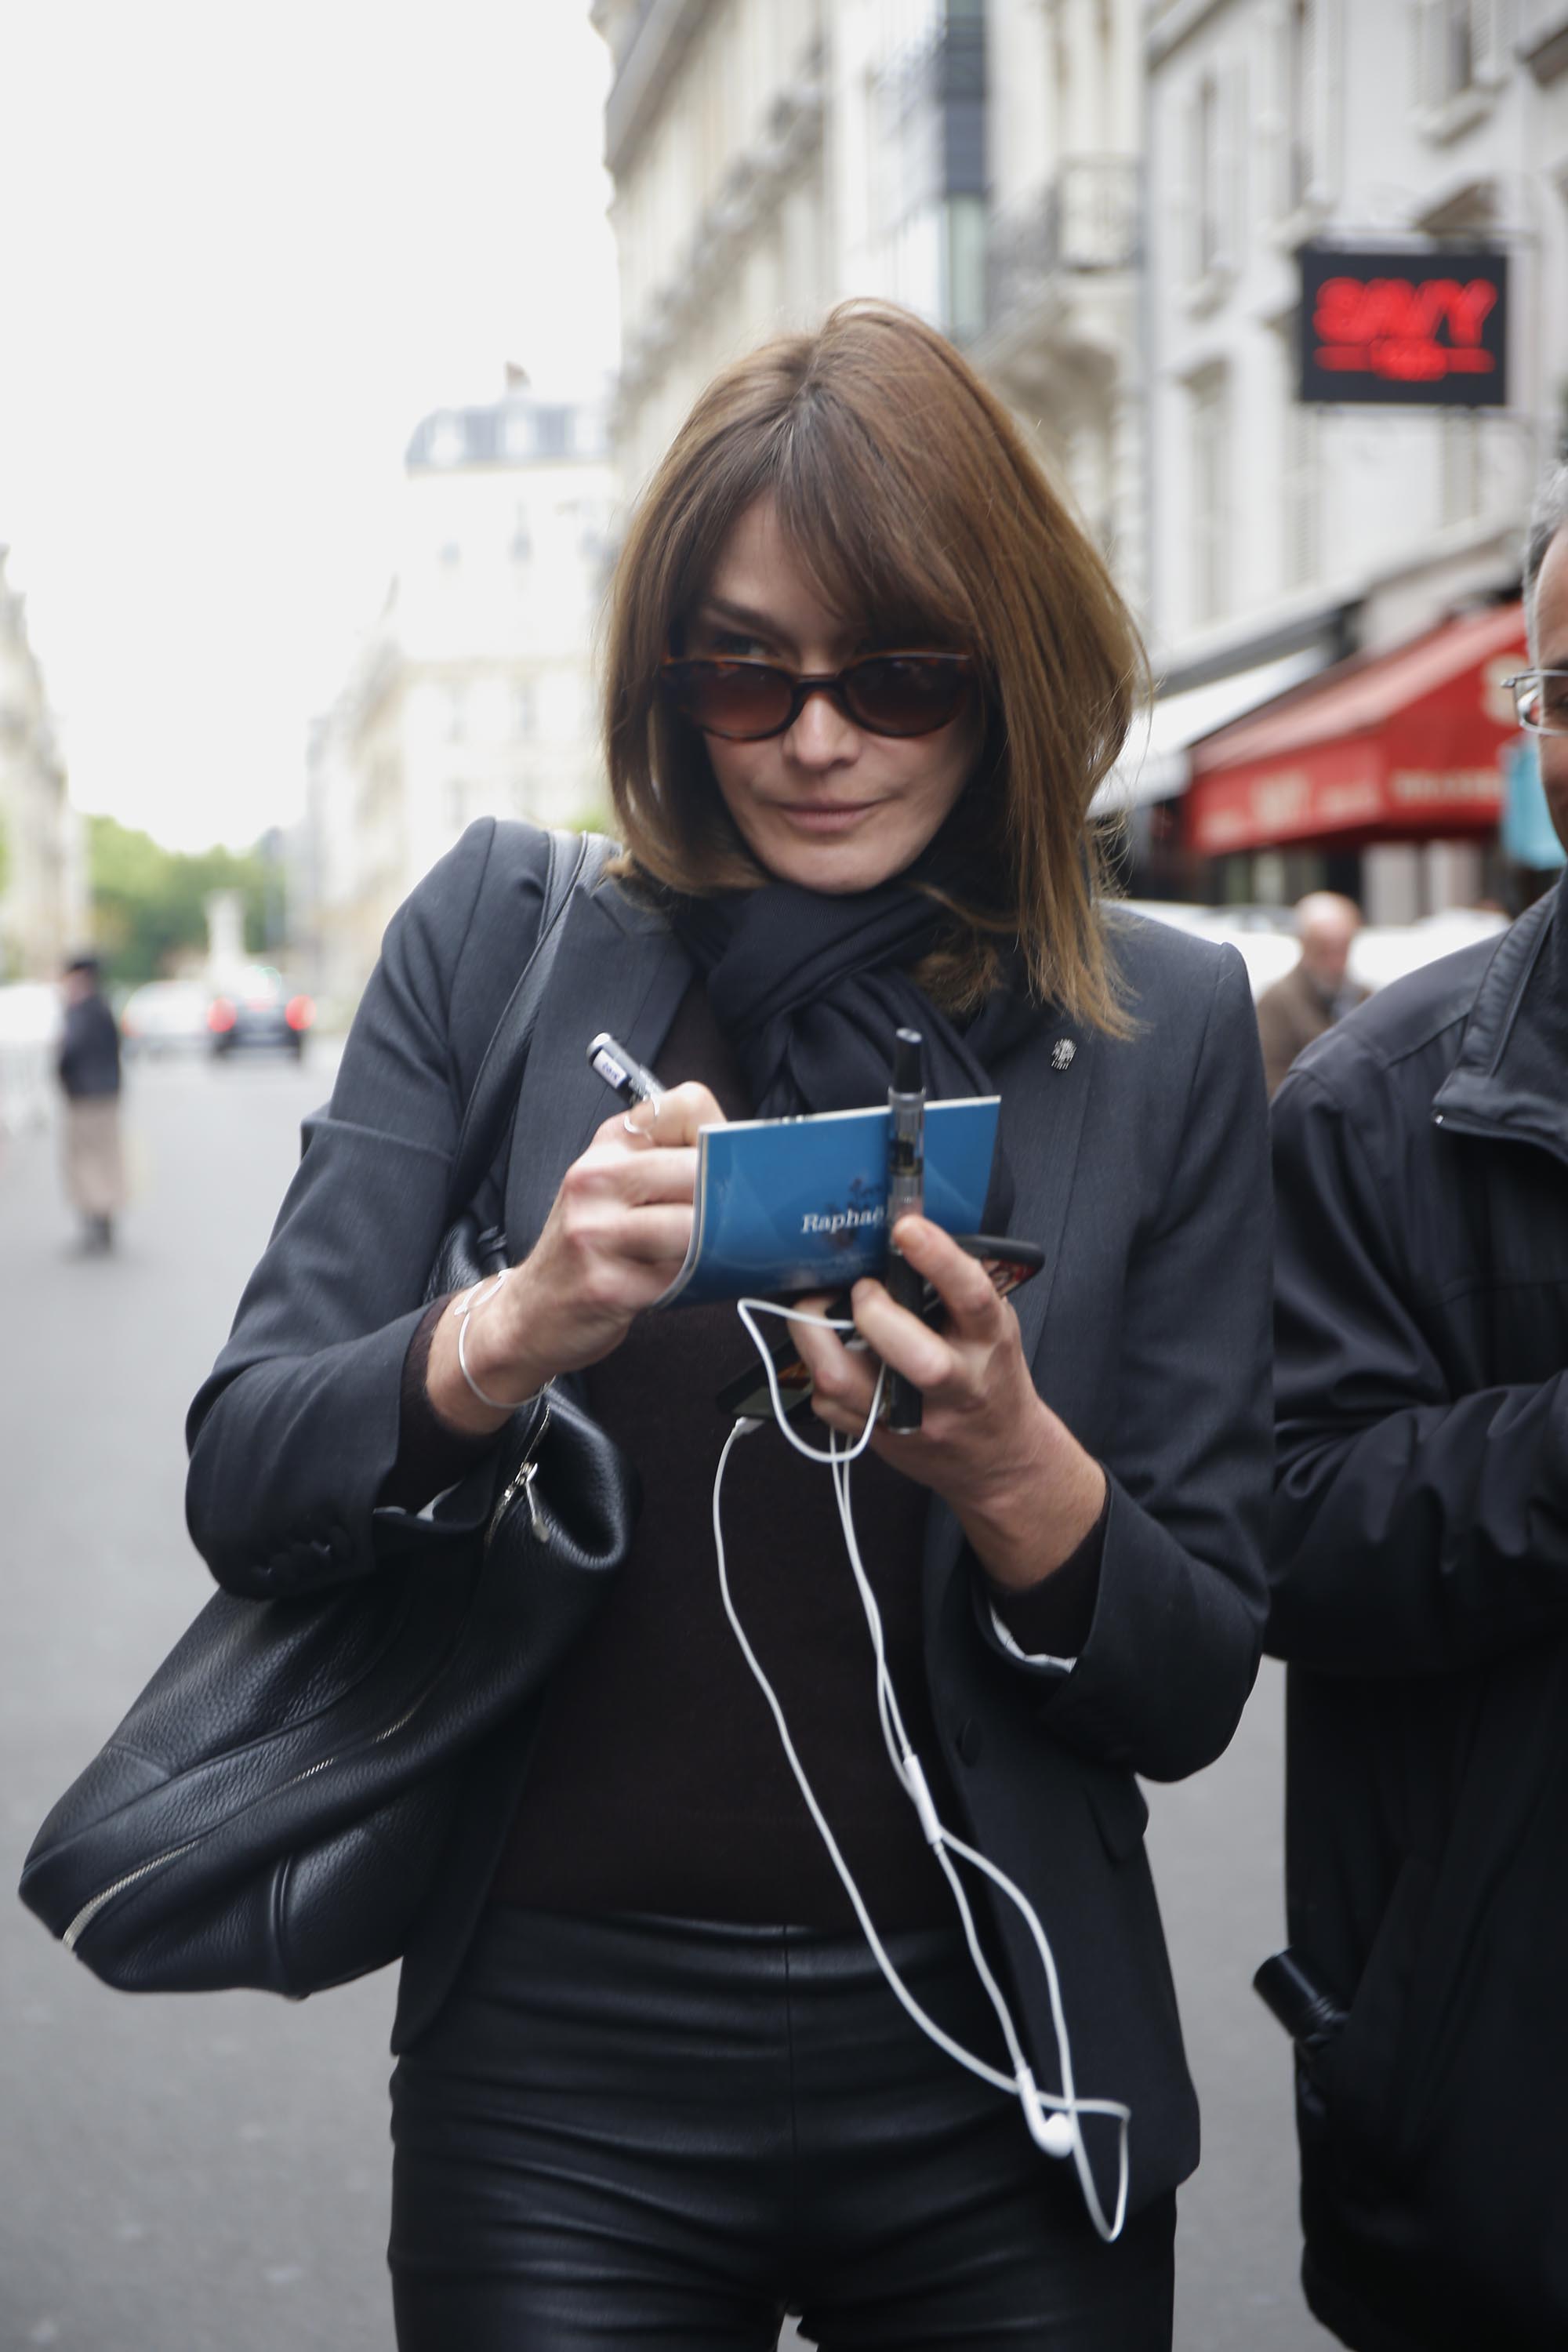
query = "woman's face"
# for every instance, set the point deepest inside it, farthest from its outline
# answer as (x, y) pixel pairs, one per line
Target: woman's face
(826, 804)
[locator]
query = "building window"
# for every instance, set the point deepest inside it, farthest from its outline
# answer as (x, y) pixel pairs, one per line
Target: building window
(1061, 77)
(1105, 78)
(1204, 177)
(1215, 174)
(1457, 35)
(1299, 471)
(1301, 493)
(964, 294)
(1299, 90)
(522, 712)
(1462, 51)
(456, 797)
(552, 432)
(1459, 467)
(1297, 135)
(1209, 475)
(521, 535)
(457, 715)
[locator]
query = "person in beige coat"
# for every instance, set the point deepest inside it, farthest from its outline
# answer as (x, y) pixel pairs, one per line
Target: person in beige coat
(87, 1064)
(1317, 990)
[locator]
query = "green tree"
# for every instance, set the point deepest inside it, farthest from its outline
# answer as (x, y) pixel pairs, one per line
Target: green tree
(149, 903)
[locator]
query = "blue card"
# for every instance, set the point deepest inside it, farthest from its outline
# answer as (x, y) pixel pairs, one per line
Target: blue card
(792, 1205)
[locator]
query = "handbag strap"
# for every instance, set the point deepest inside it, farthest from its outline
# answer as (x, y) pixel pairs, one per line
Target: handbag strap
(574, 859)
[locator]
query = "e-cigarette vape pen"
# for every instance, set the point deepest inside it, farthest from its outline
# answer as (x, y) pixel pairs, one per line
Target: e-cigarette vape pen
(1306, 2009)
(906, 1195)
(621, 1073)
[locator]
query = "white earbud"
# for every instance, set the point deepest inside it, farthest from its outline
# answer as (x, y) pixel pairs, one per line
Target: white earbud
(1053, 2131)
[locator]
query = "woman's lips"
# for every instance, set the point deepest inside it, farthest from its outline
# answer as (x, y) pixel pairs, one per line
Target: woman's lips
(820, 816)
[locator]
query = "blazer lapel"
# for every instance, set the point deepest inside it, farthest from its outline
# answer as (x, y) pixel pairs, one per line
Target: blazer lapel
(1045, 1086)
(617, 967)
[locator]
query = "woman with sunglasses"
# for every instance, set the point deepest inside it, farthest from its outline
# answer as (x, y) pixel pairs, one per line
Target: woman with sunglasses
(865, 676)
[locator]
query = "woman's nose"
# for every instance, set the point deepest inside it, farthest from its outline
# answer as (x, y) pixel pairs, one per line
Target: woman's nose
(822, 733)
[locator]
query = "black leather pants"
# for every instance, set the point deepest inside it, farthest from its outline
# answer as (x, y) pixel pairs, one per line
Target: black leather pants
(661, 2133)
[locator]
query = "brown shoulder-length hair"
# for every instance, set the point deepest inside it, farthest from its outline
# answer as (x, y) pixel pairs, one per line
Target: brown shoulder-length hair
(914, 504)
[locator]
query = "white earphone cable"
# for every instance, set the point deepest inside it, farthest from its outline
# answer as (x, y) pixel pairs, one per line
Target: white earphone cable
(1053, 2119)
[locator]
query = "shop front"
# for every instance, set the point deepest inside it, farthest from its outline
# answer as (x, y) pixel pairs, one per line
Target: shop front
(1383, 777)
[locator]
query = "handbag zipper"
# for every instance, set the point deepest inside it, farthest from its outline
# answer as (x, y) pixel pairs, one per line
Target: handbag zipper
(89, 1910)
(522, 1479)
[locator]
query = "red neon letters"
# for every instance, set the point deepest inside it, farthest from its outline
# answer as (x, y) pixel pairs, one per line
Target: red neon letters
(1390, 327)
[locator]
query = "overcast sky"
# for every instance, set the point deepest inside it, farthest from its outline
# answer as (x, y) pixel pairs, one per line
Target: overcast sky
(244, 249)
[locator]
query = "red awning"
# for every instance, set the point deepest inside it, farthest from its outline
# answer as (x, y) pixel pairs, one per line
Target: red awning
(1400, 746)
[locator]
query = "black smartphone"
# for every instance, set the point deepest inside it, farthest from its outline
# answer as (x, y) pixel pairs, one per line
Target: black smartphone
(746, 1397)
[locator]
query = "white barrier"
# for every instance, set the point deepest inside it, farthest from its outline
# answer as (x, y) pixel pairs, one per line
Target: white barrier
(29, 1031)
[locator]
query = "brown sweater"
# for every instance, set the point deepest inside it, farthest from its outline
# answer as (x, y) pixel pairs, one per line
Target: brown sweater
(1291, 1013)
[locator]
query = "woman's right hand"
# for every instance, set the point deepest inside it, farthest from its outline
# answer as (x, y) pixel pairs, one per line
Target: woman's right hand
(615, 1240)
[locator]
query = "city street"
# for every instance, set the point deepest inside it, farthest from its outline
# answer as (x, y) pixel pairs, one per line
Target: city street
(209, 2175)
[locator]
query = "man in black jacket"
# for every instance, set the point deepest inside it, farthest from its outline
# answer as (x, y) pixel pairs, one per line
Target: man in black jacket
(88, 1065)
(1420, 1593)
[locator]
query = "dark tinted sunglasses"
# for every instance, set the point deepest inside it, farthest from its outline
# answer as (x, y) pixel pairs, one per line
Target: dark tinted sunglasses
(888, 693)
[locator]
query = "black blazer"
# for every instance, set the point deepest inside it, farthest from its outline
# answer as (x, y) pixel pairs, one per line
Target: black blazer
(1139, 1166)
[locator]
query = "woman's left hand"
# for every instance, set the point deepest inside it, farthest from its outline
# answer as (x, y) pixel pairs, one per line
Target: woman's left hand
(1021, 1485)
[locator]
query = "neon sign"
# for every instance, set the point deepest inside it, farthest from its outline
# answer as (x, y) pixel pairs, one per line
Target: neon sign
(1427, 329)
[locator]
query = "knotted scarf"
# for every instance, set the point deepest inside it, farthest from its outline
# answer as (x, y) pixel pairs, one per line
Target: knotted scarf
(809, 989)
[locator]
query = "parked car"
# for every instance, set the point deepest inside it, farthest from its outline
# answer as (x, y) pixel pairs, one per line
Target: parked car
(1262, 936)
(165, 1016)
(30, 1016)
(257, 1009)
(1265, 938)
(1388, 950)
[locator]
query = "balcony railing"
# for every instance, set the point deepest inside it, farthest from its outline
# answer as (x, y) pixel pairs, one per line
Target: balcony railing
(1084, 222)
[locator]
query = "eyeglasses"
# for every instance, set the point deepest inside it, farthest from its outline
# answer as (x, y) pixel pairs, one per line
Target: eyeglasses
(1541, 699)
(888, 693)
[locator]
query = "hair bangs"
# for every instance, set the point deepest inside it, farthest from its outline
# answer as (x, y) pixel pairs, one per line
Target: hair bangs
(857, 524)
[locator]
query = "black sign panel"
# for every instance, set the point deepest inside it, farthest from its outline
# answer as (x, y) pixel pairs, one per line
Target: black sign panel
(1427, 329)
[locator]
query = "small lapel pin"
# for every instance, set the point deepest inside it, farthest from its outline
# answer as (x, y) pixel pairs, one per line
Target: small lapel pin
(1062, 1053)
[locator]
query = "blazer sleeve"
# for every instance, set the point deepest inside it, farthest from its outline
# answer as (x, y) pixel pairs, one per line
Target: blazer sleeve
(296, 1426)
(1414, 1531)
(1173, 1647)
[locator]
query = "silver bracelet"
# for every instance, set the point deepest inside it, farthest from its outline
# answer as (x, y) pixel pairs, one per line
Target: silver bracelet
(463, 1306)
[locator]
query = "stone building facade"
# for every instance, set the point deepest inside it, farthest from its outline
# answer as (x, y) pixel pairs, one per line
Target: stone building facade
(42, 903)
(472, 694)
(1284, 537)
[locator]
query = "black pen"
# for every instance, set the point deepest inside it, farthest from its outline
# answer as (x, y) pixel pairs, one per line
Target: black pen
(905, 1197)
(622, 1073)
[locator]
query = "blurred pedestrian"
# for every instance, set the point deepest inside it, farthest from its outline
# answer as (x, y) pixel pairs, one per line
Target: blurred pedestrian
(864, 676)
(1317, 991)
(89, 1068)
(1420, 1593)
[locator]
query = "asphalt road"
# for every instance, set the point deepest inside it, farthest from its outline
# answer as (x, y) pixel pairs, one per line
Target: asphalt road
(209, 2175)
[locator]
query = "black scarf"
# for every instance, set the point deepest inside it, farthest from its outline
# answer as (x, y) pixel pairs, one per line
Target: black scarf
(809, 988)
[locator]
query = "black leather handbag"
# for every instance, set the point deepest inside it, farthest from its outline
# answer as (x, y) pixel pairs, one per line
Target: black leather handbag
(271, 1809)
